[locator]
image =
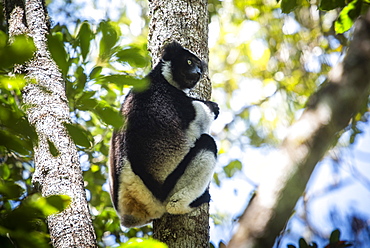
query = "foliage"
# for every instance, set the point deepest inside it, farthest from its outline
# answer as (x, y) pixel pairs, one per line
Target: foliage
(264, 65)
(22, 211)
(143, 243)
(16, 135)
(335, 242)
(22, 219)
(350, 10)
(232, 168)
(18, 51)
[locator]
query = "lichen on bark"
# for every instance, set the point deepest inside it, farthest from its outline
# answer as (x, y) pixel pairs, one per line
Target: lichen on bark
(47, 110)
(185, 21)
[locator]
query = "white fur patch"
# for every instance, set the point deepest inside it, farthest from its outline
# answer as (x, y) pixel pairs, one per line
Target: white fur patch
(186, 91)
(167, 73)
(202, 122)
(192, 183)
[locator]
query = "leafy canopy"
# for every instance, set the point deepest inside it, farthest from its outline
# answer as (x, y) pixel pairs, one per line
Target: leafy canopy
(350, 10)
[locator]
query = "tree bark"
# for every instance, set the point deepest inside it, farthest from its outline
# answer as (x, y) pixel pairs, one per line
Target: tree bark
(47, 110)
(187, 22)
(328, 112)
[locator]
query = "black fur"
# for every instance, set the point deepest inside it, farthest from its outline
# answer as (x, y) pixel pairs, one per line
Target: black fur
(206, 197)
(156, 124)
(116, 156)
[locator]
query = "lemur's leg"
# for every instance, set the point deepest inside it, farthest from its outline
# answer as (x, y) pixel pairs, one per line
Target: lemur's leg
(191, 188)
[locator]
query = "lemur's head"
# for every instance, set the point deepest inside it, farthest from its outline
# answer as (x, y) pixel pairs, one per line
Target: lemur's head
(181, 68)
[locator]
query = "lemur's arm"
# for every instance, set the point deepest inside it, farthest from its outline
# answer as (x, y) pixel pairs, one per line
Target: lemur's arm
(211, 105)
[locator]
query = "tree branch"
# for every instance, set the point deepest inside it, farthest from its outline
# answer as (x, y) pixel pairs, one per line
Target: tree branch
(328, 112)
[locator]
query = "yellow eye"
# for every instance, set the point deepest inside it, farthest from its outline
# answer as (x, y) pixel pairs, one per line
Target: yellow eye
(189, 62)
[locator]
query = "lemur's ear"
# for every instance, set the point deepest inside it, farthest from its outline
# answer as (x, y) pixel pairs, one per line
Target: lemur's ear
(171, 50)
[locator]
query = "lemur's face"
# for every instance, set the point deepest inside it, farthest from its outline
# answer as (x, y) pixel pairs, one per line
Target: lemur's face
(182, 68)
(187, 70)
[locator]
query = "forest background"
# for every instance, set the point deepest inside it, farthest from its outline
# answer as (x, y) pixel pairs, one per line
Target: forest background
(264, 65)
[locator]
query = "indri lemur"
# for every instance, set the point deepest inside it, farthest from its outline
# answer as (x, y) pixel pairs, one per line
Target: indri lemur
(162, 159)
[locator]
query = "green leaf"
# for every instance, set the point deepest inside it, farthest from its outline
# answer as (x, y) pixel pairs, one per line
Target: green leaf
(288, 6)
(12, 83)
(111, 96)
(79, 135)
(17, 134)
(95, 72)
(49, 205)
(9, 190)
(334, 236)
(18, 51)
(216, 179)
(88, 94)
(347, 16)
(56, 203)
(143, 243)
(139, 84)
(132, 56)
(84, 37)
(4, 171)
(86, 102)
(302, 243)
(67, 37)
(109, 115)
(81, 80)
(22, 48)
(53, 150)
(59, 54)
(331, 4)
(14, 143)
(233, 167)
(110, 35)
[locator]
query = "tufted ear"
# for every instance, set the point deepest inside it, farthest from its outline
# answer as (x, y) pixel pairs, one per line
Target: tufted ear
(171, 50)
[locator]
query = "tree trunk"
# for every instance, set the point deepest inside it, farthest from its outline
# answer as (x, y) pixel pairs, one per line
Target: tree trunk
(47, 110)
(328, 112)
(187, 22)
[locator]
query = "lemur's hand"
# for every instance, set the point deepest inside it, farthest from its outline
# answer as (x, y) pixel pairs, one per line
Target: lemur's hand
(213, 107)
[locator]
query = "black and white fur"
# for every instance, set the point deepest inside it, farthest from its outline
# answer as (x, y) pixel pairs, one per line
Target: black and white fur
(162, 160)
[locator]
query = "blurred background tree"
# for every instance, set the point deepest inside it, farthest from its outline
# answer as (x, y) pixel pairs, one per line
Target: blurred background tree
(264, 65)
